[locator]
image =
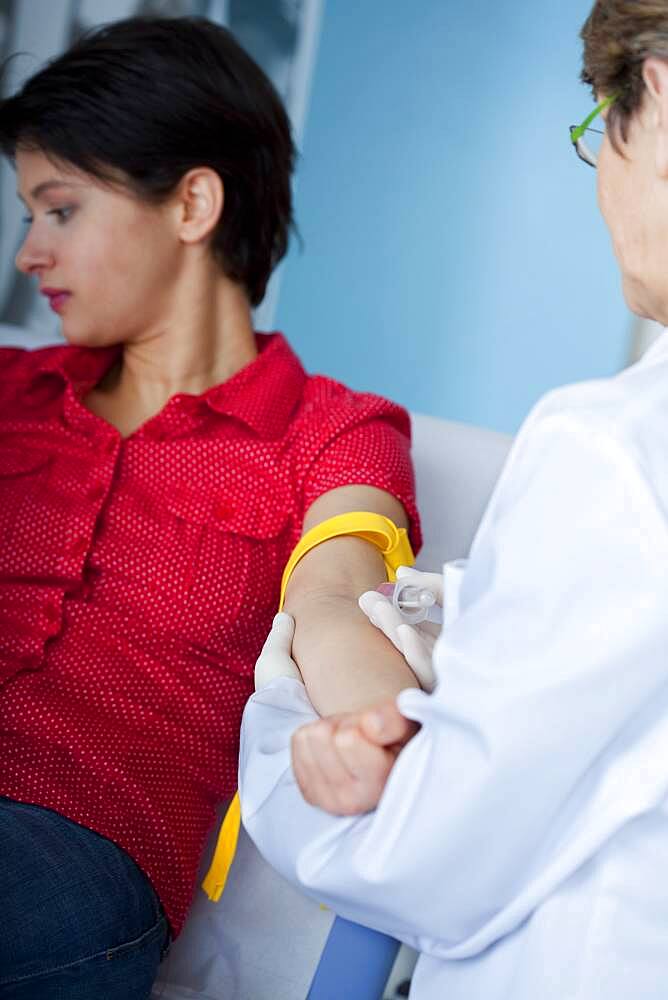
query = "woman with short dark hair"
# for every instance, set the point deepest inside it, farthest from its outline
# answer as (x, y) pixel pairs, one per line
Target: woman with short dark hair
(141, 102)
(155, 474)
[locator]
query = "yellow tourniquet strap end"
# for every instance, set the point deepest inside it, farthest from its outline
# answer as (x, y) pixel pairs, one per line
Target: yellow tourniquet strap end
(396, 550)
(400, 555)
(216, 877)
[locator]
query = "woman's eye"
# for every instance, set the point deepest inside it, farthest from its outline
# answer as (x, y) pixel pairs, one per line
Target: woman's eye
(61, 214)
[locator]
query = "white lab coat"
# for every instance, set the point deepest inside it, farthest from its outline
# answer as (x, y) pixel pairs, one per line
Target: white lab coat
(521, 844)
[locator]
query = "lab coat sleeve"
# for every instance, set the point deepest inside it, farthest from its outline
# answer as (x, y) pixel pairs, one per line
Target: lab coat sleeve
(546, 733)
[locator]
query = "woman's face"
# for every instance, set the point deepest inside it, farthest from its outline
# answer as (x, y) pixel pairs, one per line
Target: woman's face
(634, 202)
(107, 262)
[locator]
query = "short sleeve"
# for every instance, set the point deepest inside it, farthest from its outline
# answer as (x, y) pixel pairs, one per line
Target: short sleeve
(363, 440)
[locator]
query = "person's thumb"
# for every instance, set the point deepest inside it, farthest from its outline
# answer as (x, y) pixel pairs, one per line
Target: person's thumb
(281, 635)
(275, 660)
(384, 725)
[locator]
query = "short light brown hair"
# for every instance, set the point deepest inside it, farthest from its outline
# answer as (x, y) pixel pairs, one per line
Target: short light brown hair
(618, 36)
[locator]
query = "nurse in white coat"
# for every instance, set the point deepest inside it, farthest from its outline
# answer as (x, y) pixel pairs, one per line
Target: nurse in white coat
(519, 839)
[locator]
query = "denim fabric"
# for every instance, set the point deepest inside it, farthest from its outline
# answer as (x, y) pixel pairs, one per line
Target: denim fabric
(78, 919)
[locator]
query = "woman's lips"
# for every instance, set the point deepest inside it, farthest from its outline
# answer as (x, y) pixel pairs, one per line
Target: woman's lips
(57, 298)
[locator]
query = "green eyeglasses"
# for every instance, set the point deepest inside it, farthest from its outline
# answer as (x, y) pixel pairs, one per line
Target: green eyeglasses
(587, 141)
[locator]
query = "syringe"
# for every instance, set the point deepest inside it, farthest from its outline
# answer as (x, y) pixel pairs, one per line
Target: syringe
(414, 604)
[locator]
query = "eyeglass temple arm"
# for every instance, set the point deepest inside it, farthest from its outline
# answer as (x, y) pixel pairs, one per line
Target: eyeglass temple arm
(578, 132)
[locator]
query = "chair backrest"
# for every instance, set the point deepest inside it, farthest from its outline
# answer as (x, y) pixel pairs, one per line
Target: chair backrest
(456, 468)
(264, 939)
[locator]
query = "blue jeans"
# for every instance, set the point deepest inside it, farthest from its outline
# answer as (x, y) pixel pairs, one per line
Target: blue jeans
(78, 919)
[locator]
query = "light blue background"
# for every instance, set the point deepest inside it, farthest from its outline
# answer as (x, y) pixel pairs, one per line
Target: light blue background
(454, 257)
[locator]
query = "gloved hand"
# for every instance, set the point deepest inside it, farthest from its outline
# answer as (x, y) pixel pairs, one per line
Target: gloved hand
(416, 642)
(275, 660)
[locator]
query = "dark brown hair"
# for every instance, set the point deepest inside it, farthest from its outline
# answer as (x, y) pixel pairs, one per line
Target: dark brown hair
(151, 98)
(618, 36)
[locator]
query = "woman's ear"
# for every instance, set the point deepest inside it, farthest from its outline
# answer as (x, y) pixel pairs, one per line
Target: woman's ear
(199, 197)
(655, 76)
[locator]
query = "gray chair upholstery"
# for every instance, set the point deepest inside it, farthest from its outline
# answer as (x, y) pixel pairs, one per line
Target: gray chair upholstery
(456, 468)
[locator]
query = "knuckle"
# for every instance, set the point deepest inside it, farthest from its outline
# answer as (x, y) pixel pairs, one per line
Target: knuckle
(301, 737)
(321, 733)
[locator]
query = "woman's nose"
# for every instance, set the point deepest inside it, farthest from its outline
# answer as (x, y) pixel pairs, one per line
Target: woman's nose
(33, 256)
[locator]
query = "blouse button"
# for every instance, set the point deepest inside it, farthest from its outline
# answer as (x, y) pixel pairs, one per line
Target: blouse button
(223, 511)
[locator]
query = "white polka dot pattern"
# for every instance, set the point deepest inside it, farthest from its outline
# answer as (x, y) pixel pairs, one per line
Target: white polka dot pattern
(139, 577)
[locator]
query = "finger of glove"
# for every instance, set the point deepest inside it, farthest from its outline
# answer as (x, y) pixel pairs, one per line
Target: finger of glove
(280, 635)
(381, 612)
(275, 659)
(369, 600)
(418, 578)
(417, 652)
(269, 668)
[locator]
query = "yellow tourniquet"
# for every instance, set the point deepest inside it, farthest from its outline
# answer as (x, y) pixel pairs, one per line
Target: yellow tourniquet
(396, 551)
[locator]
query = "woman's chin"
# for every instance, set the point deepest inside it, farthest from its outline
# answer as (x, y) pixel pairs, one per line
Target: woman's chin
(638, 298)
(76, 339)
(81, 337)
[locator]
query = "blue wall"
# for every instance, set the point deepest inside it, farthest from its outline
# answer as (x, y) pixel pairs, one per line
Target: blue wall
(454, 257)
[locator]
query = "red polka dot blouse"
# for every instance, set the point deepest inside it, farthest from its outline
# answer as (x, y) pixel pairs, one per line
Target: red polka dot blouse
(139, 577)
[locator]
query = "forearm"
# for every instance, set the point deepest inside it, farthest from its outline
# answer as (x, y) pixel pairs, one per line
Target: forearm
(345, 662)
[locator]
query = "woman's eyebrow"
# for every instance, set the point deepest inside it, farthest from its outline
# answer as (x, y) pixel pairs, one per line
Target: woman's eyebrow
(45, 186)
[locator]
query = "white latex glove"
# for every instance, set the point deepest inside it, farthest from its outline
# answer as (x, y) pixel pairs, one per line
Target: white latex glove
(275, 660)
(415, 642)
